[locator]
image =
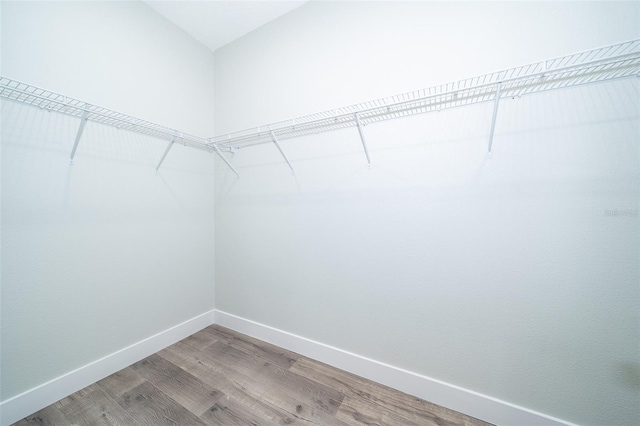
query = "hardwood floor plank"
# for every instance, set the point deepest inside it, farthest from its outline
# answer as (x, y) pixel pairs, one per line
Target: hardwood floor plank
(200, 340)
(184, 388)
(48, 416)
(118, 383)
(229, 412)
(192, 362)
(411, 408)
(238, 387)
(281, 387)
(270, 353)
(357, 411)
(152, 407)
(92, 406)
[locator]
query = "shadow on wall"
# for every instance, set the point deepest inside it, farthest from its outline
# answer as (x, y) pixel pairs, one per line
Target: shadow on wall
(113, 176)
(628, 374)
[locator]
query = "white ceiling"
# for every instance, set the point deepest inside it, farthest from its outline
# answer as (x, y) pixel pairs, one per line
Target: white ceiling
(216, 23)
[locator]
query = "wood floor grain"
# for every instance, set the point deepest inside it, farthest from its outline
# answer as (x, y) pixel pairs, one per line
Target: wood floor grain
(92, 406)
(48, 416)
(220, 377)
(195, 395)
(150, 406)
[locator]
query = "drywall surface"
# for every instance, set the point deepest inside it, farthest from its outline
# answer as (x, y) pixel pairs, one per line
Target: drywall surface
(101, 254)
(516, 277)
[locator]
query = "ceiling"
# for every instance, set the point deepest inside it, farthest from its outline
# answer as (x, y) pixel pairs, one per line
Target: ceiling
(216, 23)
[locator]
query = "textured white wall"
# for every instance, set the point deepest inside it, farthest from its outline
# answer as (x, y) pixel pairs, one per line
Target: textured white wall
(504, 276)
(104, 253)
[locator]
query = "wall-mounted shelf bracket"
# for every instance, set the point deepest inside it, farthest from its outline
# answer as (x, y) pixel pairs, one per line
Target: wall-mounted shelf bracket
(364, 142)
(275, 141)
(224, 148)
(493, 119)
(164, 155)
(83, 122)
(215, 147)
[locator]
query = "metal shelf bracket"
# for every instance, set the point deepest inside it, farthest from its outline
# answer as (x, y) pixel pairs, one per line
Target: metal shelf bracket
(364, 143)
(493, 119)
(83, 122)
(275, 141)
(164, 155)
(215, 147)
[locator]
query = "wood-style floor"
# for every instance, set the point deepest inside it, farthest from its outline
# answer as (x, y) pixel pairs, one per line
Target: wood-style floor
(220, 377)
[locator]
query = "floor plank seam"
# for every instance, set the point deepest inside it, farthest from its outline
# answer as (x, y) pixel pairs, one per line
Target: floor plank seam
(117, 403)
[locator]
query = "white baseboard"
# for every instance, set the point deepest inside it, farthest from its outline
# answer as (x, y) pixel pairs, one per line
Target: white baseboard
(26, 403)
(457, 398)
(451, 396)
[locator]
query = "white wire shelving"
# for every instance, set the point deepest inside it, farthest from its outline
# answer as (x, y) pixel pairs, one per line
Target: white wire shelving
(611, 62)
(616, 61)
(45, 99)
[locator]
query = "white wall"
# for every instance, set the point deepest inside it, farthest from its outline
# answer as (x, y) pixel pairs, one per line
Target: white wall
(503, 276)
(104, 253)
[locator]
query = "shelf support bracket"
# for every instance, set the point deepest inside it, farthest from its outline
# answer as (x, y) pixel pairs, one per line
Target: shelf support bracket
(166, 151)
(493, 119)
(83, 122)
(364, 143)
(215, 147)
(275, 141)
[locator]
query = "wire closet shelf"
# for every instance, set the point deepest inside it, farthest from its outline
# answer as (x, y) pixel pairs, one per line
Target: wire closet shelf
(591, 66)
(51, 101)
(616, 61)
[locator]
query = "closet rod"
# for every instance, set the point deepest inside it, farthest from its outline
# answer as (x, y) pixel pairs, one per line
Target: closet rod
(616, 61)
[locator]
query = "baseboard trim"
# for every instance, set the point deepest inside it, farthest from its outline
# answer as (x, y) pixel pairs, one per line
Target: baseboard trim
(466, 401)
(26, 403)
(457, 398)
